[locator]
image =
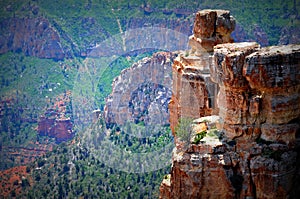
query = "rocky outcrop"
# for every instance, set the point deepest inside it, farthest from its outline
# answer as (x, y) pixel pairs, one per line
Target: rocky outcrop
(142, 92)
(32, 36)
(211, 27)
(251, 149)
(53, 126)
(259, 106)
(193, 92)
(56, 122)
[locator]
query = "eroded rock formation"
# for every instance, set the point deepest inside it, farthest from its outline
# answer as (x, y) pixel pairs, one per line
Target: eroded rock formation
(58, 128)
(142, 92)
(56, 122)
(193, 92)
(251, 149)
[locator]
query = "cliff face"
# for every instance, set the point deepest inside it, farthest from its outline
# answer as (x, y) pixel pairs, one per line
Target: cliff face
(193, 92)
(58, 128)
(251, 149)
(32, 36)
(259, 104)
(55, 122)
(142, 92)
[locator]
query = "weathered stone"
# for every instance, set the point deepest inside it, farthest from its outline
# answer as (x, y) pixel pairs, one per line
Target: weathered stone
(54, 122)
(253, 155)
(204, 25)
(237, 130)
(229, 62)
(189, 87)
(285, 133)
(58, 128)
(165, 188)
(273, 178)
(211, 27)
(199, 175)
(274, 68)
(191, 78)
(142, 92)
(225, 25)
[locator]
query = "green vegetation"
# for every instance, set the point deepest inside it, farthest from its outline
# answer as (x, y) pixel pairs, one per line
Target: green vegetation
(184, 129)
(199, 137)
(28, 86)
(75, 170)
(127, 140)
(33, 81)
(213, 132)
(85, 23)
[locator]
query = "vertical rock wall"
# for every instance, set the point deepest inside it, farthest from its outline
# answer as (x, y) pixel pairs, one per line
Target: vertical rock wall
(141, 93)
(259, 109)
(193, 92)
(251, 149)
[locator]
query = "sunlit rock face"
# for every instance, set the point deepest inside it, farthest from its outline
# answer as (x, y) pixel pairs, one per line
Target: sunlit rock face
(251, 147)
(259, 87)
(259, 109)
(193, 92)
(212, 27)
(142, 92)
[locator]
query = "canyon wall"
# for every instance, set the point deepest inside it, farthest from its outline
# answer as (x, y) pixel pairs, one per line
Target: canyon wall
(250, 148)
(142, 92)
(43, 38)
(32, 36)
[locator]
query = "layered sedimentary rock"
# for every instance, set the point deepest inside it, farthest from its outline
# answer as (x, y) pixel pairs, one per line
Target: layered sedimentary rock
(193, 92)
(53, 126)
(142, 92)
(259, 109)
(32, 36)
(258, 88)
(251, 149)
(56, 121)
(211, 27)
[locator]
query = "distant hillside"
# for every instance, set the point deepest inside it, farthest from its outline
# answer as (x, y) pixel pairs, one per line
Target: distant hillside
(83, 24)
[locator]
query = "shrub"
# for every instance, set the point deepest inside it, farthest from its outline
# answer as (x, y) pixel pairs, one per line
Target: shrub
(199, 136)
(184, 129)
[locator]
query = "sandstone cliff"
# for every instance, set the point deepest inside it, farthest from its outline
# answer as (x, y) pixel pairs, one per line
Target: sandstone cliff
(193, 92)
(251, 148)
(142, 92)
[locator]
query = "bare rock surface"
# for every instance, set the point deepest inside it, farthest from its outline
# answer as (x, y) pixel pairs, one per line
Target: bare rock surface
(250, 149)
(193, 91)
(142, 92)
